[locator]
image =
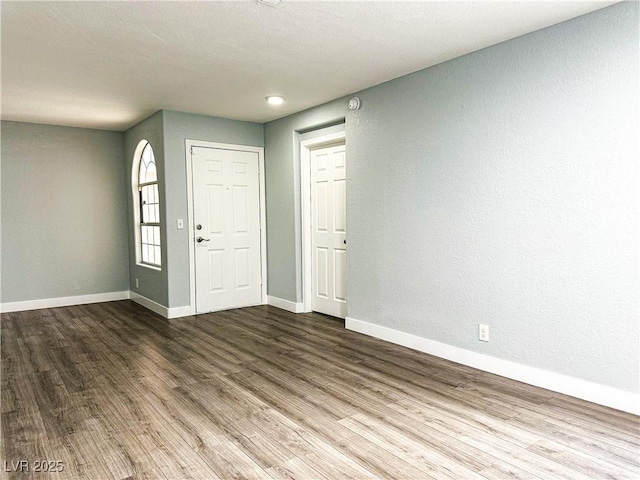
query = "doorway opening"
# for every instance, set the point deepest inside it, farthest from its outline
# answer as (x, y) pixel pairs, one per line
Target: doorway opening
(324, 242)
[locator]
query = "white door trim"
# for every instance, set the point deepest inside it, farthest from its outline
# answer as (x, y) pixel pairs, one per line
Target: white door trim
(190, 223)
(305, 191)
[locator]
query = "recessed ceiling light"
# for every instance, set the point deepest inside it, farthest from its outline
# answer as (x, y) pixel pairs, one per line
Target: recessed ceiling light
(271, 3)
(274, 99)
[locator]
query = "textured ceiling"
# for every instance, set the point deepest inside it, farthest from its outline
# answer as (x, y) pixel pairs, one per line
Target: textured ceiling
(110, 64)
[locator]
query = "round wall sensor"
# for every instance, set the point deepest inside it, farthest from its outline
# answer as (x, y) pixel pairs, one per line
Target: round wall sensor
(354, 104)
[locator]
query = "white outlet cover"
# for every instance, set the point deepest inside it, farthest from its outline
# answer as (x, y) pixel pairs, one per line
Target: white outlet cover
(483, 332)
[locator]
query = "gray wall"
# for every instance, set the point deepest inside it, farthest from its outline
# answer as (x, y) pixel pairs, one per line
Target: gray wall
(501, 188)
(64, 228)
(152, 283)
(179, 127)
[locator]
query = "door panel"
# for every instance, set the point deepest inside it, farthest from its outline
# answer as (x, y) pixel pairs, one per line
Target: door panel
(339, 206)
(329, 229)
(242, 267)
(215, 209)
(226, 201)
(240, 210)
(216, 270)
(339, 271)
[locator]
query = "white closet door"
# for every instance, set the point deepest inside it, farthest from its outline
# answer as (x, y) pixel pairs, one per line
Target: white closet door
(329, 237)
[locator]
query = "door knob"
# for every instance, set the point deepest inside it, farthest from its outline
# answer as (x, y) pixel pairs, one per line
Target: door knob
(200, 239)
(198, 227)
(344, 241)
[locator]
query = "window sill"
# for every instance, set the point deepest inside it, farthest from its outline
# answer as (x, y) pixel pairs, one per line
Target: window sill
(150, 267)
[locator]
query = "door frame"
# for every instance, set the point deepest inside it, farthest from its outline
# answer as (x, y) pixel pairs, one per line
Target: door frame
(189, 144)
(305, 191)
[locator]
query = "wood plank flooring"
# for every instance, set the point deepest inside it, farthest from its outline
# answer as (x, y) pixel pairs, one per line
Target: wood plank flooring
(116, 392)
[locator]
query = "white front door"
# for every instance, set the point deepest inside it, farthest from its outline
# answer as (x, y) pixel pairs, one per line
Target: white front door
(329, 230)
(226, 211)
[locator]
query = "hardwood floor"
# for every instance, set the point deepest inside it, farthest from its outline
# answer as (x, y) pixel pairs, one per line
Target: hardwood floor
(114, 391)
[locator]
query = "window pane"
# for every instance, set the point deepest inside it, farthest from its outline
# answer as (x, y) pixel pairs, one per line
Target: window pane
(144, 234)
(156, 212)
(152, 161)
(151, 174)
(145, 213)
(144, 161)
(156, 235)
(157, 255)
(147, 172)
(146, 152)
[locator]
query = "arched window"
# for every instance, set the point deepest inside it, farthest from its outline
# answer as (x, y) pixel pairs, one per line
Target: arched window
(147, 206)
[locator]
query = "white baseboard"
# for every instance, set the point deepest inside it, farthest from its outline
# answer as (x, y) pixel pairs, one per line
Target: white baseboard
(568, 385)
(174, 312)
(177, 312)
(285, 304)
(63, 301)
(166, 312)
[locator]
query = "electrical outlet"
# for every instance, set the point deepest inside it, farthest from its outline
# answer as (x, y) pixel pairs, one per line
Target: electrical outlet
(483, 332)
(180, 223)
(137, 284)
